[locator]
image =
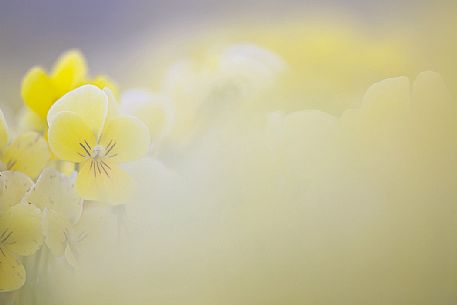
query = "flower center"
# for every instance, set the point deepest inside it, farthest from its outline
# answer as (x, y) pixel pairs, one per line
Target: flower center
(97, 156)
(98, 152)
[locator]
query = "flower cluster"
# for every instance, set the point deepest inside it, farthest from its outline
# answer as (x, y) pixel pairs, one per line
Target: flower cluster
(65, 155)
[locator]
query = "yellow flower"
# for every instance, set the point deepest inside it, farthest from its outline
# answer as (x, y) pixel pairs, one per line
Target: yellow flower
(20, 229)
(27, 153)
(40, 90)
(68, 229)
(85, 128)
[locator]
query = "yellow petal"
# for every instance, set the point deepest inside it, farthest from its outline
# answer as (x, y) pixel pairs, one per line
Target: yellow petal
(38, 91)
(88, 101)
(20, 227)
(69, 71)
(55, 228)
(28, 153)
(13, 187)
(70, 138)
(12, 272)
(55, 191)
(103, 81)
(3, 131)
(125, 138)
(104, 182)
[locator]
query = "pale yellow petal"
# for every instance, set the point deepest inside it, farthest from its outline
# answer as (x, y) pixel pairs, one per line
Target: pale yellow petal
(13, 187)
(69, 71)
(155, 110)
(154, 116)
(125, 138)
(28, 153)
(113, 106)
(66, 168)
(88, 101)
(384, 104)
(3, 131)
(12, 272)
(103, 81)
(431, 95)
(62, 166)
(70, 138)
(38, 91)
(55, 191)
(104, 182)
(92, 234)
(20, 227)
(55, 228)
(71, 256)
(30, 121)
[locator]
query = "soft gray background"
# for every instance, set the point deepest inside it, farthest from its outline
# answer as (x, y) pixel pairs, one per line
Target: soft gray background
(36, 32)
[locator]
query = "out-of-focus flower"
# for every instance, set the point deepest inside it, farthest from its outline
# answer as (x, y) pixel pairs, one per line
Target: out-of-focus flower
(40, 90)
(435, 40)
(405, 125)
(27, 153)
(155, 110)
(54, 194)
(224, 83)
(83, 237)
(80, 242)
(84, 129)
(397, 109)
(20, 229)
(330, 61)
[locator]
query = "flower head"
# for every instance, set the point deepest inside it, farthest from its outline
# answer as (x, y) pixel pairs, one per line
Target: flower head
(20, 229)
(85, 128)
(41, 90)
(27, 153)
